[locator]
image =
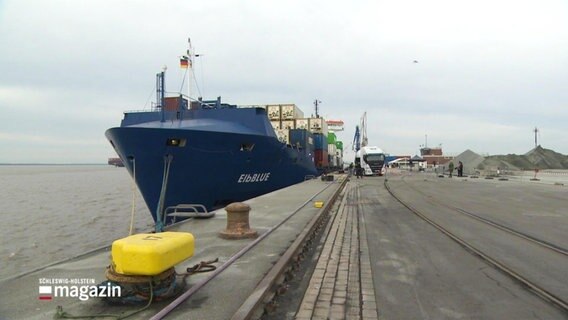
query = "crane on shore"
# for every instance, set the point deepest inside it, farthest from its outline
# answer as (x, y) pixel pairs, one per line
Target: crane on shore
(369, 160)
(360, 139)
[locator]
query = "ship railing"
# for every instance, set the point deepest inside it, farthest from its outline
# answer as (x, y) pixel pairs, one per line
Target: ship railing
(153, 109)
(188, 211)
(251, 106)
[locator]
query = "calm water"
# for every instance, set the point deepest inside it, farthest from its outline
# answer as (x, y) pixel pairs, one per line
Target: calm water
(49, 213)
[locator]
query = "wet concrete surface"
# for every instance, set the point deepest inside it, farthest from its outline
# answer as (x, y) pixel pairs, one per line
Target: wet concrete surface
(219, 298)
(414, 271)
(420, 273)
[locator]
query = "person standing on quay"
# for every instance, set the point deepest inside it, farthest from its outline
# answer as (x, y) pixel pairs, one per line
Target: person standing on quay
(451, 165)
(460, 169)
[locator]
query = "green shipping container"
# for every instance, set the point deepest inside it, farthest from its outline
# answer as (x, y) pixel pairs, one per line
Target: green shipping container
(339, 145)
(331, 138)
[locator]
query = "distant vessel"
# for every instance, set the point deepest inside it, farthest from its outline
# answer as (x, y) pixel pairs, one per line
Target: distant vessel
(211, 153)
(117, 162)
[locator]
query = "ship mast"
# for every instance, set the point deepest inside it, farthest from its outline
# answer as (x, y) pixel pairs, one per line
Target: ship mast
(316, 104)
(186, 62)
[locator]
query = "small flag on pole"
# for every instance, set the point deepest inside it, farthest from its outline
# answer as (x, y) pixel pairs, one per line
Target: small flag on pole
(184, 62)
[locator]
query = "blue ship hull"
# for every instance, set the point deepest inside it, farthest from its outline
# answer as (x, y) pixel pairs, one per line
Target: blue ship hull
(216, 156)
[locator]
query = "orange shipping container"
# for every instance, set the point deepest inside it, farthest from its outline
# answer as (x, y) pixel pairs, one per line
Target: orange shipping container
(321, 158)
(172, 103)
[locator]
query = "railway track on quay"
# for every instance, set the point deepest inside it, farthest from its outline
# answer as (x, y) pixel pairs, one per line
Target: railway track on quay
(250, 275)
(262, 300)
(532, 282)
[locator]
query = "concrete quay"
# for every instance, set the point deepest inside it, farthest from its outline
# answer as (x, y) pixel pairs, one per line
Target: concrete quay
(374, 258)
(278, 217)
(381, 261)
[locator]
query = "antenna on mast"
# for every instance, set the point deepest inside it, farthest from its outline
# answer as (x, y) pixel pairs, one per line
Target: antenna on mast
(316, 104)
(190, 65)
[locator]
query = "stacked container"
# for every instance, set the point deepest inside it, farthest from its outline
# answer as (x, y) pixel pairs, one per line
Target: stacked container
(273, 112)
(288, 124)
(311, 135)
(283, 118)
(321, 153)
(290, 112)
(339, 153)
(302, 139)
(283, 135)
(331, 140)
(318, 125)
(303, 123)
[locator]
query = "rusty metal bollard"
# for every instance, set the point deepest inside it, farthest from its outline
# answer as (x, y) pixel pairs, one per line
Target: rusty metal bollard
(238, 222)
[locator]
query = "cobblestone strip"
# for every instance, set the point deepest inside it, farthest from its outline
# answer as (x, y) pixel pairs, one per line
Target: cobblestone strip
(316, 303)
(354, 284)
(342, 284)
(369, 302)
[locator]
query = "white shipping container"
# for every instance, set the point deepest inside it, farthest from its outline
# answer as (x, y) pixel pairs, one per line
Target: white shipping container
(318, 125)
(287, 124)
(332, 161)
(303, 123)
(283, 135)
(276, 124)
(291, 111)
(331, 149)
(273, 111)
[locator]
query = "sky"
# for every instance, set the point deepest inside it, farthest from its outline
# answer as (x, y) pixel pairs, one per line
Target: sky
(478, 75)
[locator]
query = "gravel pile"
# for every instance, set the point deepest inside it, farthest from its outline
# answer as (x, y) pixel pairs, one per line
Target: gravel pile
(538, 157)
(470, 161)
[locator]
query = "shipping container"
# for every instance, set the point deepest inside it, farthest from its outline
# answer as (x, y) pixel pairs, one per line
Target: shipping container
(318, 125)
(331, 148)
(321, 159)
(173, 103)
(303, 123)
(291, 111)
(334, 162)
(303, 139)
(340, 162)
(320, 141)
(287, 124)
(331, 138)
(273, 111)
(283, 135)
(275, 124)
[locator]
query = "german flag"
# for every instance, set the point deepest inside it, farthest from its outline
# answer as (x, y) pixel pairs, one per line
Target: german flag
(184, 62)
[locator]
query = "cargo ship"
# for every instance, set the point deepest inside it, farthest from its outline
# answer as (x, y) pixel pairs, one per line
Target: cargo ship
(209, 153)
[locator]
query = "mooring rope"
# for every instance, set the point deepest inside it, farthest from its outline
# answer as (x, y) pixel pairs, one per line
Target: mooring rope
(133, 196)
(160, 209)
(167, 291)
